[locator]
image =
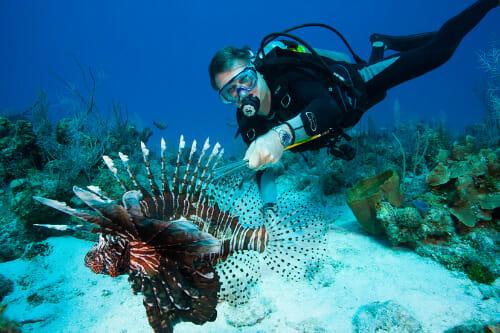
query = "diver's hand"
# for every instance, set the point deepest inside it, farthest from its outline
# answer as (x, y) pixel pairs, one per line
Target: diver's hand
(266, 149)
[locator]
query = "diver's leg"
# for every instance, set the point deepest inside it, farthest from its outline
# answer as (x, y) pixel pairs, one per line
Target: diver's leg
(402, 43)
(407, 65)
(381, 42)
(377, 53)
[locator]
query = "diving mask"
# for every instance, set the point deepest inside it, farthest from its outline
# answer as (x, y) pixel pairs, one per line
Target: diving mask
(239, 86)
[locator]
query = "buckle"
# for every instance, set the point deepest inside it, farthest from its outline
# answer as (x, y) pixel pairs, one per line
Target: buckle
(312, 121)
(286, 100)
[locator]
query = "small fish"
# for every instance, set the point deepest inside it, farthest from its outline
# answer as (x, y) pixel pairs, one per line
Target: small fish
(160, 125)
(193, 241)
(421, 206)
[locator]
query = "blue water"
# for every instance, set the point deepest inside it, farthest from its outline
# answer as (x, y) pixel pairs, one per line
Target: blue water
(152, 57)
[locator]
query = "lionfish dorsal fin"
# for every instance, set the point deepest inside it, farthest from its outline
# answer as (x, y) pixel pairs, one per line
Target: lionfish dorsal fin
(206, 183)
(124, 159)
(206, 170)
(164, 181)
(97, 190)
(187, 171)
(111, 166)
(196, 171)
(175, 180)
(152, 182)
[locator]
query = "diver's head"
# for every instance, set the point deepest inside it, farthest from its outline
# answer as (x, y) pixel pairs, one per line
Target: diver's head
(237, 81)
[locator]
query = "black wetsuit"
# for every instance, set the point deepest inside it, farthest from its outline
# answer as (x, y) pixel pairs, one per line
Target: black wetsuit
(323, 106)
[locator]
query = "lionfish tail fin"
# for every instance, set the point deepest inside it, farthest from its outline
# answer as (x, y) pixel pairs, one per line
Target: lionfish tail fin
(296, 238)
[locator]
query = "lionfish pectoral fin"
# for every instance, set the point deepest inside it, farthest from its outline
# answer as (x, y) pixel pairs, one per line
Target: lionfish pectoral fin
(61, 227)
(238, 275)
(296, 239)
(85, 215)
(92, 199)
(110, 209)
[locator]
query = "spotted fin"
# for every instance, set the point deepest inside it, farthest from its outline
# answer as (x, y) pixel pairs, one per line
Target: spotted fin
(296, 237)
(238, 275)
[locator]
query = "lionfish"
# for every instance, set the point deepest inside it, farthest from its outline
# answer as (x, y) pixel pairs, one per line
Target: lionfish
(189, 243)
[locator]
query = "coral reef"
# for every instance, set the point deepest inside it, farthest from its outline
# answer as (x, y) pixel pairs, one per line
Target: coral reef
(366, 196)
(476, 326)
(6, 287)
(40, 156)
(384, 317)
(7, 326)
(13, 233)
(19, 151)
(455, 221)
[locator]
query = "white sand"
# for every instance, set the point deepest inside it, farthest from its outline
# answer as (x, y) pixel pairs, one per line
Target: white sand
(365, 271)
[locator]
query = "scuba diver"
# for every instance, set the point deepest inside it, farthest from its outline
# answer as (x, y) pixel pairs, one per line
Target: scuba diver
(290, 96)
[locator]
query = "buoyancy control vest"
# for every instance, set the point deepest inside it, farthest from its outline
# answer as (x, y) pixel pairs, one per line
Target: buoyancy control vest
(276, 59)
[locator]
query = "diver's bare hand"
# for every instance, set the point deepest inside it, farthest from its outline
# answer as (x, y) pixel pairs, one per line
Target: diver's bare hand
(266, 149)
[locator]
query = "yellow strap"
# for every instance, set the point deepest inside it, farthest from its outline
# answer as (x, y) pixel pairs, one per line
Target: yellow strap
(314, 137)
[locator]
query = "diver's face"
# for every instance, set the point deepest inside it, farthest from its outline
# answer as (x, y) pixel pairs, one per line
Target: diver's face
(237, 85)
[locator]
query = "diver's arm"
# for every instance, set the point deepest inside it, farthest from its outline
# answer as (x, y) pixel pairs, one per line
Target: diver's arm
(337, 56)
(318, 117)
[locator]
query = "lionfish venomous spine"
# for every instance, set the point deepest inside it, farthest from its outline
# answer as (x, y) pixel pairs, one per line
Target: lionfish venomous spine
(194, 241)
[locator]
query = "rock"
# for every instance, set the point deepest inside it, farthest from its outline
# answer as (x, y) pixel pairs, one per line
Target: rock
(255, 311)
(308, 326)
(473, 326)
(6, 325)
(13, 235)
(6, 287)
(490, 291)
(401, 225)
(479, 266)
(322, 274)
(37, 249)
(384, 317)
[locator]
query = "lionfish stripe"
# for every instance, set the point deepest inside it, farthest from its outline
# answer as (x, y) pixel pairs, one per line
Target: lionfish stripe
(144, 258)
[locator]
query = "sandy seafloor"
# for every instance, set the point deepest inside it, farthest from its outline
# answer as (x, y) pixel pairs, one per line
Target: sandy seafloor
(365, 270)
